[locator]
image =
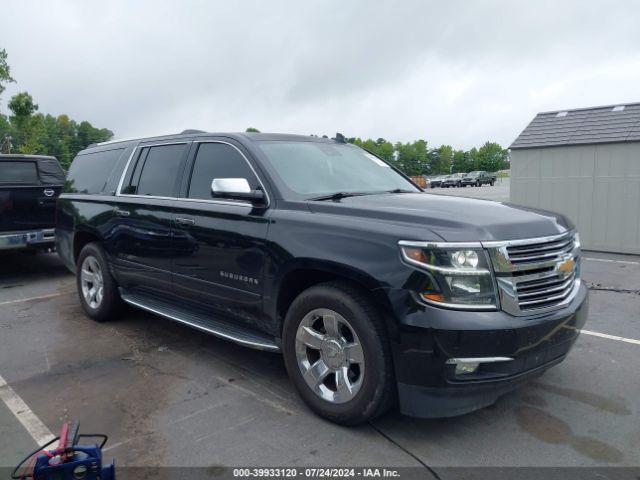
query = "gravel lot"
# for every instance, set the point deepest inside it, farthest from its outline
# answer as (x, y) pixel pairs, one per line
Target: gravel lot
(169, 395)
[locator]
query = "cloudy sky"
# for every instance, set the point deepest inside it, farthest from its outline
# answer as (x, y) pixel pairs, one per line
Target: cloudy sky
(452, 72)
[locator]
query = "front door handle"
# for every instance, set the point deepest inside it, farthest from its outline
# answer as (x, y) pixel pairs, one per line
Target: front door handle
(122, 213)
(185, 221)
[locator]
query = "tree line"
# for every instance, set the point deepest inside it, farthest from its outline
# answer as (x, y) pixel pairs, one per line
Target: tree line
(416, 158)
(25, 130)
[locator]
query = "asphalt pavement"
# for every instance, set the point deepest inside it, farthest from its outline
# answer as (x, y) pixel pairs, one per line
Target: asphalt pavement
(171, 396)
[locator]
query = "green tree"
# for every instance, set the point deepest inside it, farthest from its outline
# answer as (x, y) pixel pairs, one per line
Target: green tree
(461, 162)
(5, 71)
(33, 132)
(22, 105)
(381, 148)
(23, 126)
(251, 129)
(412, 158)
(445, 159)
(385, 150)
(473, 159)
(492, 157)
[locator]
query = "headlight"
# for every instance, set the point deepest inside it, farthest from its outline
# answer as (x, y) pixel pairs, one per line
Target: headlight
(465, 258)
(458, 275)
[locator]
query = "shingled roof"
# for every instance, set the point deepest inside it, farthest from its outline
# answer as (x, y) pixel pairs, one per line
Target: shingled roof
(612, 123)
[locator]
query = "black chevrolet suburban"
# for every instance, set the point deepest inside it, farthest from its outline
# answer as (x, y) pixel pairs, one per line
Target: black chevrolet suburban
(29, 186)
(374, 291)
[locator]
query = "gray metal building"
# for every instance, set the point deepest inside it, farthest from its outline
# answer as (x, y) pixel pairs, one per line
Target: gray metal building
(584, 163)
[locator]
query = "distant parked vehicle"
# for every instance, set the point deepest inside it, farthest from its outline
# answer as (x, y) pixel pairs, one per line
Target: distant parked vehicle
(454, 180)
(478, 178)
(29, 186)
(436, 182)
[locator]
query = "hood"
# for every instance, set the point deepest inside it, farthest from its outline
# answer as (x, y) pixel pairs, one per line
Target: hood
(454, 219)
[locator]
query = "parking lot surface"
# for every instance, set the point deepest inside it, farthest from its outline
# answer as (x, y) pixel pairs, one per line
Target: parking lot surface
(170, 396)
(499, 192)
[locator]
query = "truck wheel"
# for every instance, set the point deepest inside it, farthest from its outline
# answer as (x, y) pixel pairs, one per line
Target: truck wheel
(97, 289)
(478, 184)
(337, 353)
(492, 182)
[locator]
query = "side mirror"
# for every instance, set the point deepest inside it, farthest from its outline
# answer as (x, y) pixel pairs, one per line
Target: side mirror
(236, 189)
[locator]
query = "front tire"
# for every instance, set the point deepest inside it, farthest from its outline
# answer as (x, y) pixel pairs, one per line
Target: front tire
(97, 288)
(337, 353)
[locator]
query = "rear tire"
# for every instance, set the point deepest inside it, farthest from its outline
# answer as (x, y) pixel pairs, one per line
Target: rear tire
(337, 353)
(97, 289)
(492, 182)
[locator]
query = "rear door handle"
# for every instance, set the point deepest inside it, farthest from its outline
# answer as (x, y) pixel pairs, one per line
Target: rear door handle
(122, 213)
(185, 221)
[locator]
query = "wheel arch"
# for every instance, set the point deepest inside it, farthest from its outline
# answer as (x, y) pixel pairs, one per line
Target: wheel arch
(304, 273)
(82, 237)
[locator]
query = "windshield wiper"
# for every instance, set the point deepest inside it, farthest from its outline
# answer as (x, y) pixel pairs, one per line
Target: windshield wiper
(400, 190)
(337, 196)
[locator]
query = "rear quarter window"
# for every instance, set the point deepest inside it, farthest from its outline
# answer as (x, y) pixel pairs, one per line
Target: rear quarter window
(156, 171)
(89, 172)
(24, 173)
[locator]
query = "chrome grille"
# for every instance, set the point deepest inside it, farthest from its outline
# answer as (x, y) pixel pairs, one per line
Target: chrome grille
(544, 292)
(539, 252)
(536, 275)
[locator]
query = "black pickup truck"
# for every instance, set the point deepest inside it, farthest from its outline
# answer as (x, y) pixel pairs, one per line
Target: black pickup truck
(373, 291)
(478, 178)
(29, 186)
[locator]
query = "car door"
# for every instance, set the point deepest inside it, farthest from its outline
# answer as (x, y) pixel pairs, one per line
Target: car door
(219, 243)
(141, 238)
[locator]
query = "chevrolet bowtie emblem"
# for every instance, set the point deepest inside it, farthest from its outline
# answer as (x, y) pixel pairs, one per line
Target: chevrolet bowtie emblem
(566, 267)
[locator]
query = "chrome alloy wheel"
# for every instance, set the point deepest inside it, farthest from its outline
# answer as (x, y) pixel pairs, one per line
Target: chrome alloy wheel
(92, 282)
(330, 355)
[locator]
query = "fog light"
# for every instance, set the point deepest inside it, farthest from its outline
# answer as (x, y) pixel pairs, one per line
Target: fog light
(466, 368)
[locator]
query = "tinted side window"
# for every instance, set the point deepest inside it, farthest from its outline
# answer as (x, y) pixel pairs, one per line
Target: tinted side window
(18, 172)
(89, 172)
(218, 160)
(156, 171)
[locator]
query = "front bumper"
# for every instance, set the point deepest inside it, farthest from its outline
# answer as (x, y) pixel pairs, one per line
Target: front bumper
(42, 238)
(428, 386)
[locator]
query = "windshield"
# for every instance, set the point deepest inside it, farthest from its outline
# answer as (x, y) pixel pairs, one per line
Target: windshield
(309, 169)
